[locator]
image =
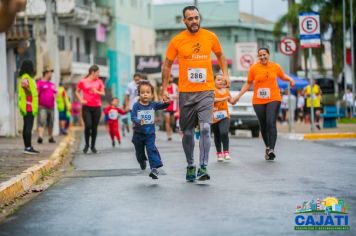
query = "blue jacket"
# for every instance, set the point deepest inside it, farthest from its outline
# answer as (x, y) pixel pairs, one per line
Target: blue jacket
(146, 113)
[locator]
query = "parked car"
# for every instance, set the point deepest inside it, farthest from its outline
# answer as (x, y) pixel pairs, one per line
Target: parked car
(242, 113)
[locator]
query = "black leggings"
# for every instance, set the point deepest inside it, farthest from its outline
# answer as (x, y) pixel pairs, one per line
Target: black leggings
(27, 129)
(91, 117)
(267, 116)
(221, 134)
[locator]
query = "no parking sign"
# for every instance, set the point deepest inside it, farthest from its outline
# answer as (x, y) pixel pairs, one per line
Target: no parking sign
(288, 46)
(246, 54)
(309, 28)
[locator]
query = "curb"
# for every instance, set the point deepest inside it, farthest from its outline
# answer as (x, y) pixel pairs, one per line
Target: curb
(319, 136)
(21, 183)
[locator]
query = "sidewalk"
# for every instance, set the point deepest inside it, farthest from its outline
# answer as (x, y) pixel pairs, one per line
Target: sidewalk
(19, 171)
(303, 131)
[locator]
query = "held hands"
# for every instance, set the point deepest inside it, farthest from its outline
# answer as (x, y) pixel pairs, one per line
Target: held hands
(291, 83)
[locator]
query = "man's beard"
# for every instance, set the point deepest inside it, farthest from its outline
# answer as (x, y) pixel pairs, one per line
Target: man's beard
(191, 30)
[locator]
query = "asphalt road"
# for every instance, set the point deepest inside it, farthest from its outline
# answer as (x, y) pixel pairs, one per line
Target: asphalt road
(107, 194)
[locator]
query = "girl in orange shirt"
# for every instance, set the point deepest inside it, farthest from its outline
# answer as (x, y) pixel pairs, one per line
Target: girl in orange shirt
(266, 97)
(221, 118)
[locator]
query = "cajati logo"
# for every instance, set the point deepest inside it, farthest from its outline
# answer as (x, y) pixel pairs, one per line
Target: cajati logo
(327, 214)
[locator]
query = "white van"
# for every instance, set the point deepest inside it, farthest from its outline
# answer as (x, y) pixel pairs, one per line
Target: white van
(242, 113)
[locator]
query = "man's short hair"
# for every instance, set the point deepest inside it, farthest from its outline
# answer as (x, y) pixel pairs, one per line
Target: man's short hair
(190, 8)
(137, 74)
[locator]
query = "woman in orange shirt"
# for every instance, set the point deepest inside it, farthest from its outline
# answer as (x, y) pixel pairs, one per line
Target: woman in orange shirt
(221, 118)
(266, 97)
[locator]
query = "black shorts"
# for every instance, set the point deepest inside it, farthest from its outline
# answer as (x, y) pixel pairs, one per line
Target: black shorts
(315, 109)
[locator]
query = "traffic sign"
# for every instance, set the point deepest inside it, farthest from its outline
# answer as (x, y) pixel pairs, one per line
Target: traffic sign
(288, 46)
(309, 28)
(246, 55)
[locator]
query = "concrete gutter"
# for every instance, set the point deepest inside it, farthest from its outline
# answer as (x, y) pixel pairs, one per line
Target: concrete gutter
(21, 183)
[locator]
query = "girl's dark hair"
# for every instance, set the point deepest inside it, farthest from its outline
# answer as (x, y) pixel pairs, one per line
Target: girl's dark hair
(27, 67)
(263, 48)
(190, 8)
(144, 83)
(93, 68)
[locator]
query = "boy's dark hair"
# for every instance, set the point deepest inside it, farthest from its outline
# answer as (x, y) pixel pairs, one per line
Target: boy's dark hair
(114, 99)
(27, 67)
(144, 83)
(189, 8)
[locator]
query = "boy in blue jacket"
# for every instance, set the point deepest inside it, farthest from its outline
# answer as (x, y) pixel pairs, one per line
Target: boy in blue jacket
(143, 117)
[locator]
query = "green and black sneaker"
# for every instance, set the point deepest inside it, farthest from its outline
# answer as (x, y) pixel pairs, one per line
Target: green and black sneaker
(191, 173)
(203, 174)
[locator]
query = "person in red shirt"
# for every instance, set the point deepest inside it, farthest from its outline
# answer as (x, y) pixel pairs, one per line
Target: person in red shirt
(172, 90)
(112, 118)
(92, 88)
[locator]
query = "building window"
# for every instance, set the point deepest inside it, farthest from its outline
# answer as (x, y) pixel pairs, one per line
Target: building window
(149, 11)
(134, 3)
(178, 19)
(61, 42)
(121, 2)
(78, 48)
(71, 42)
(236, 38)
(87, 47)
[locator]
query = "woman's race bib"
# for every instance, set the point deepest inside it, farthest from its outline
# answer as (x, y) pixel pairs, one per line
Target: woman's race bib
(197, 75)
(113, 114)
(264, 93)
(219, 115)
(148, 116)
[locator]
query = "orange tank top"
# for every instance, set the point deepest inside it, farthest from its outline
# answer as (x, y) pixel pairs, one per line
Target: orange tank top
(221, 110)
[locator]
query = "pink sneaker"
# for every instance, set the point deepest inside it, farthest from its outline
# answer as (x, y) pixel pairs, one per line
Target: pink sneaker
(227, 156)
(220, 156)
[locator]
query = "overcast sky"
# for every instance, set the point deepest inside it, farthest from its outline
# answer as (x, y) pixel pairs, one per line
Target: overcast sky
(269, 9)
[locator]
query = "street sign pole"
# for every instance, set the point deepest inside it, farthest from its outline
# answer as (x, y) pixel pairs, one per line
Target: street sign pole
(311, 90)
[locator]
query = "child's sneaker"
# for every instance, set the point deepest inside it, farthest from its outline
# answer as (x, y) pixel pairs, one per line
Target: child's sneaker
(191, 174)
(154, 173)
(203, 174)
(220, 156)
(227, 156)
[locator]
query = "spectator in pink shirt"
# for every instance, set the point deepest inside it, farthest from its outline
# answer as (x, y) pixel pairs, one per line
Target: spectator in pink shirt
(46, 100)
(89, 91)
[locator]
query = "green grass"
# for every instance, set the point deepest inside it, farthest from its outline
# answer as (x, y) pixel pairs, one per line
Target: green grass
(347, 121)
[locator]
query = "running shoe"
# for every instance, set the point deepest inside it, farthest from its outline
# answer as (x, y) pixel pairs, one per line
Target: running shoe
(203, 174)
(93, 150)
(191, 174)
(39, 140)
(154, 173)
(51, 140)
(113, 143)
(85, 149)
(227, 156)
(271, 155)
(266, 154)
(31, 151)
(220, 156)
(169, 139)
(317, 126)
(143, 164)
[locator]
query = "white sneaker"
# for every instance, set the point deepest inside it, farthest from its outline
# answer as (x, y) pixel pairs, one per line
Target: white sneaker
(220, 157)
(227, 156)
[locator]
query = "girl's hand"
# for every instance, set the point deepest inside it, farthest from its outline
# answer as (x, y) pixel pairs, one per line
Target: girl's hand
(142, 121)
(82, 101)
(292, 83)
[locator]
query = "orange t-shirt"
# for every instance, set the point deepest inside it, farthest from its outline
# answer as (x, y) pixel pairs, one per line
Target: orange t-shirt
(194, 58)
(221, 110)
(264, 78)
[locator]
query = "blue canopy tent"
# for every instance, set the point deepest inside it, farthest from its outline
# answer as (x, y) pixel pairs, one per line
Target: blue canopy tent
(300, 83)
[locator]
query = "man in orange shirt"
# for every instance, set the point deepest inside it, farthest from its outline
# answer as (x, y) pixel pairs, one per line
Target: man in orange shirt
(192, 47)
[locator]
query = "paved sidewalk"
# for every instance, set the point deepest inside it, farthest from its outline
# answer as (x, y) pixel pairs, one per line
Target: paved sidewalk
(19, 171)
(12, 159)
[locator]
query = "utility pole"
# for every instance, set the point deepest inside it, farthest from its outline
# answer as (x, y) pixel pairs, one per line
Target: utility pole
(344, 33)
(352, 55)
(196, 3)
(52, 47)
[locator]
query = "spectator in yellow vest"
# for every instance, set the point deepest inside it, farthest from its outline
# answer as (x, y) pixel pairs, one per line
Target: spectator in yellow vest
(316, 102)
(64, 109)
